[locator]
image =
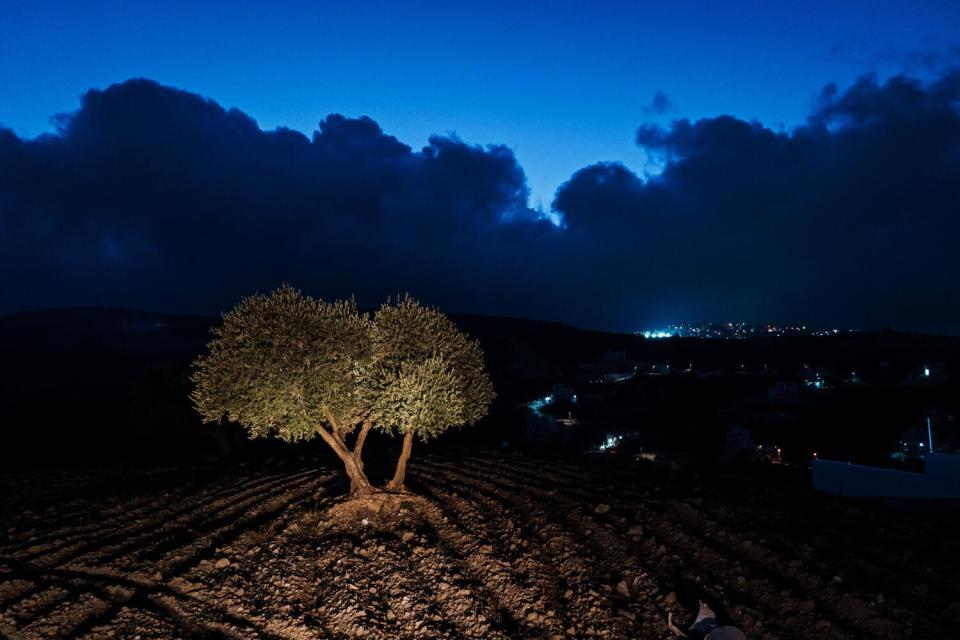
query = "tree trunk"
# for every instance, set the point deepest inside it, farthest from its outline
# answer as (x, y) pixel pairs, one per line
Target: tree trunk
(400, 474)
(359, 484)
(361, 438)
(221, 439)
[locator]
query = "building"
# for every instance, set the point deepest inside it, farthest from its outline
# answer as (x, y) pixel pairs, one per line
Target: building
(928, 373)
(815, 379)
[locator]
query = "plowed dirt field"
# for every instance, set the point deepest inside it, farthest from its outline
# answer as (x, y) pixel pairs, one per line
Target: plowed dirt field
(500, 546)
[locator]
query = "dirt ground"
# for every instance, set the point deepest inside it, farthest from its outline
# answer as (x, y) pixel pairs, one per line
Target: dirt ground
(503, 546)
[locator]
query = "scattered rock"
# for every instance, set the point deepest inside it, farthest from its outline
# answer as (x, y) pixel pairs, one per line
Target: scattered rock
(635, 530)
(406, 537)
(623, 589)
(222, 563)
(602, 508)
(670, 598)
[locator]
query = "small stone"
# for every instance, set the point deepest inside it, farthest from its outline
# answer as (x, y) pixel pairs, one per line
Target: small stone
(623, 589)
(406, 537)
(837, 580)
(635, 530)
(568, 594)
(670, 598)
(602, 508)
(222, 563)
(365, 522)
(880, 598)
(741, 580)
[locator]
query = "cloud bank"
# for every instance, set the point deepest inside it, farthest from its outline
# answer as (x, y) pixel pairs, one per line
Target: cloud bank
(153, 197)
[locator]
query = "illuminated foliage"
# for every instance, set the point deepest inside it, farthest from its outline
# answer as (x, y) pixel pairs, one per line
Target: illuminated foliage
(424, 375)
(284, 365)
(425, 398)
(294, 367)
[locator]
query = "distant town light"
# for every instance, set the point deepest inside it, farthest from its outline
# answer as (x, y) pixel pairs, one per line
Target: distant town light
(658, 333)
(736, 330)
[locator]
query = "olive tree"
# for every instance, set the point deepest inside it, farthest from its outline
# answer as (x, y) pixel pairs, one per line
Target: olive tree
(423, 376)
(286, 365)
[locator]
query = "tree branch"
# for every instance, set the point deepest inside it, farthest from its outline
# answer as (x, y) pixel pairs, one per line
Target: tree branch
(361, 438)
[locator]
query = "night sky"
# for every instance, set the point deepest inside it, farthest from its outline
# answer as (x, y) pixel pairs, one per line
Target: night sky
(612, 165)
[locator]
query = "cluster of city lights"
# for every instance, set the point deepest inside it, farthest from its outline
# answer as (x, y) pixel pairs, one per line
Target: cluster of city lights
(658, 334)
(610, 442)
(735, 330)
(537, 405)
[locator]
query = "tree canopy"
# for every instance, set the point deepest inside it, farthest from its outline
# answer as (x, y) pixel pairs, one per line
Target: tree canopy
(283, 365)
(424, 376)
(296, 367)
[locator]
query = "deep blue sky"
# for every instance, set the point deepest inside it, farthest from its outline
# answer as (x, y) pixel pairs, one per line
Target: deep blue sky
(564, 84)
(803, 165)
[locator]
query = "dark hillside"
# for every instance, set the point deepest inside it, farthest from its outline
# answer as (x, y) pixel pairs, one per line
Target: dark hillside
(111, 385)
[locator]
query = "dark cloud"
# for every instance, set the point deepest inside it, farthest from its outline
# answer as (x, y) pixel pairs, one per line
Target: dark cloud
(153, 197)
(661, 104)
(849, 219)
(924, 61)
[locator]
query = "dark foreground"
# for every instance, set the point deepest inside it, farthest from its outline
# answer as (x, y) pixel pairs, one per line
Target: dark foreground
(504, 547)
